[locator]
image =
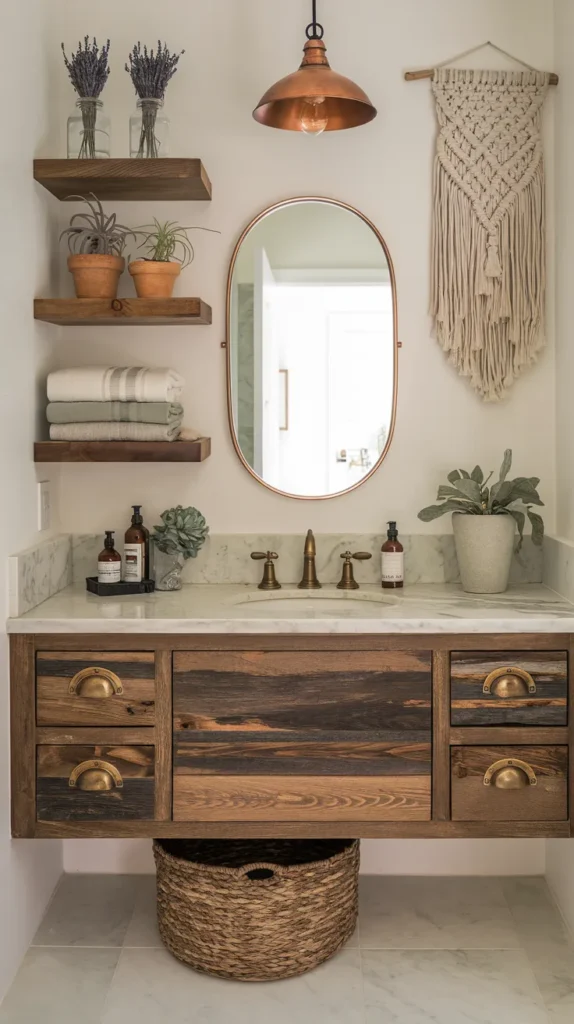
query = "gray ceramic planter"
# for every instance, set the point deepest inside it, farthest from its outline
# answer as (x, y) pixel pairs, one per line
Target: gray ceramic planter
(484, 547)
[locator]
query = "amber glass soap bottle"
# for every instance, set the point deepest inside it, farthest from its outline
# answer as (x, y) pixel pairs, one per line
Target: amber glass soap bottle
(136, 549)
(392, 559)
(109, 561)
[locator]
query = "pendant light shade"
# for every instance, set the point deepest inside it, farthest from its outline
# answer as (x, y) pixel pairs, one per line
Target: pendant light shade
(315, 98)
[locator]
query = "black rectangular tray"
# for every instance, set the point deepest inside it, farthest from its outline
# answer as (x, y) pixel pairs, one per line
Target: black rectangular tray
(117, 589)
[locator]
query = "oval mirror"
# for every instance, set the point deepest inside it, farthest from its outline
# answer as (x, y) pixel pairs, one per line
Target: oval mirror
(311, 348)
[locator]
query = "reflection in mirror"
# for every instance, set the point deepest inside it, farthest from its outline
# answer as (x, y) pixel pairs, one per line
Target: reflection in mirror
(311, 348)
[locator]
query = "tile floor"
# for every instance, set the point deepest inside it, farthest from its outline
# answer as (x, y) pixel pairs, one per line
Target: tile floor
(448, 950)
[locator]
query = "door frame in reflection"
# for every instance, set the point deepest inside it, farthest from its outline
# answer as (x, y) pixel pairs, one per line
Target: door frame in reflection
(231, 356)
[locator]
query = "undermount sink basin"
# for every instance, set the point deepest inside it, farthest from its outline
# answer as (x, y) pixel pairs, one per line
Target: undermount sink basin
(333, 602)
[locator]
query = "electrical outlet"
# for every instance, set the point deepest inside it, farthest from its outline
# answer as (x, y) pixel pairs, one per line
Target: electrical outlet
(44, 505)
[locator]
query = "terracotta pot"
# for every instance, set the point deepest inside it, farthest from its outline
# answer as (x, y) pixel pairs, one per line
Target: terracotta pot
(96, 276)
(154, 280)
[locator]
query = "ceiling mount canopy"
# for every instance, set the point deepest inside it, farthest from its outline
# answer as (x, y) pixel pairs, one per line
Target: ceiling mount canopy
(315, 98)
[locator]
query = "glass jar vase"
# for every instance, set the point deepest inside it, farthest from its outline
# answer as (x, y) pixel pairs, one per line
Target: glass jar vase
(149, 130)
(167, 570)
(89, 131)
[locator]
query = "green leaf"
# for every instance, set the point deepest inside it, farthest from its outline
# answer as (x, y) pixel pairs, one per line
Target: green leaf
(464, 474)
(523, 490)
(477, 475)
(470, 489)
(444, 493)
(520, 520)
(537, 524)
(452, 477)
(501, 493)
(506, 465)
(435, 511)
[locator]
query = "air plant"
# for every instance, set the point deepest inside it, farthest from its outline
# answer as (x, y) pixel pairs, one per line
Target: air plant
(168, 241)
(96, 232)
(470, 494)
(88, 70)
(150, 73)
(182, 532)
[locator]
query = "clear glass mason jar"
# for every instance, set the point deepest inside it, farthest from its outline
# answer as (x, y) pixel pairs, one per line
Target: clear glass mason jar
(89, 131)
(149, 130)
(167, 570)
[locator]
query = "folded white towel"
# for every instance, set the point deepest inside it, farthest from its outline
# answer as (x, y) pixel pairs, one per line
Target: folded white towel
(115, 384)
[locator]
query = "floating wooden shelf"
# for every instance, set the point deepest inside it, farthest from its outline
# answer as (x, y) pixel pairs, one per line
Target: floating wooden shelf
(164, 178)
(123, 451)
(123, 312)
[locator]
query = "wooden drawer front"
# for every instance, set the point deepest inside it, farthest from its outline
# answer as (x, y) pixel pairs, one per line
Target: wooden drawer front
(500, 800)
(89, 688)
(302, 714)
(95, 783)
(510, 688)
(300, 799)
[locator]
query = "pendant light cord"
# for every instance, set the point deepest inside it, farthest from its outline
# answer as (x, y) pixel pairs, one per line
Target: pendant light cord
(315, 30)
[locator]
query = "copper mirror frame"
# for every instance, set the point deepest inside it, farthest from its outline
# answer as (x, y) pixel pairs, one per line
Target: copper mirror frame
(396, 344)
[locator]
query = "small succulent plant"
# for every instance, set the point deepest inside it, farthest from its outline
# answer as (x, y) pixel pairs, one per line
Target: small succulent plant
(470, 494)
(96, 232)
(183, 531)
(168, 241)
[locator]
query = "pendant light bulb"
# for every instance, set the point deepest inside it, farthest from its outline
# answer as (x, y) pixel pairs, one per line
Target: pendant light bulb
(314, 119)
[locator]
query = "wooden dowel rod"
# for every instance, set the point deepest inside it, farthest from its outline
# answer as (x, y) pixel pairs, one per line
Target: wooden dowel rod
(416, 76)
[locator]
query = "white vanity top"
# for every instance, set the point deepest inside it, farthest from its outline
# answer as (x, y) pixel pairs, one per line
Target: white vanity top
(420, 608)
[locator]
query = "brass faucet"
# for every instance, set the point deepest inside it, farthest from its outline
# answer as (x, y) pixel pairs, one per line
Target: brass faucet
(309, 581)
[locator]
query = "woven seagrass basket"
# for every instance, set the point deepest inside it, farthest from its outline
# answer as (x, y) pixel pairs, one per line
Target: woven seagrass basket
(256, 910)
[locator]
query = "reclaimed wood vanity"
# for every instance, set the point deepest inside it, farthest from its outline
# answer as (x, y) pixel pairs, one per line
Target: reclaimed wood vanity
(314, 734)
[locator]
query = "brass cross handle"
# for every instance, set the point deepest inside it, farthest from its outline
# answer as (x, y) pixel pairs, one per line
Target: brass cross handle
(348, 581)
(269, 581)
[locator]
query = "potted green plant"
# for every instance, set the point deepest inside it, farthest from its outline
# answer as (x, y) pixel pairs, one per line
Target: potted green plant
(180, 536)
(96, 242)
(169, 251)
(484, 520)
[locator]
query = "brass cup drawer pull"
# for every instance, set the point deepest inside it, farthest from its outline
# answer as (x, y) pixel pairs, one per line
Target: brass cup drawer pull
(510, 773)
(96, 684)
(509, 683)
(95, 777)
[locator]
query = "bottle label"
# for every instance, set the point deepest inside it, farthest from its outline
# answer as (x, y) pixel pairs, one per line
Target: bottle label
(393, 563)
(134, 560)
(109, 572)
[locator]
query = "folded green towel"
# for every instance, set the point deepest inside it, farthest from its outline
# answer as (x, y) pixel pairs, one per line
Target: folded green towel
(118, 412)
(114, 431)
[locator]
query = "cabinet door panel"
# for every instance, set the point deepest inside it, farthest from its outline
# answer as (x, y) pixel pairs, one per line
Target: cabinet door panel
(510, 688)
(509, 783)
(88, 783)
(87, 688)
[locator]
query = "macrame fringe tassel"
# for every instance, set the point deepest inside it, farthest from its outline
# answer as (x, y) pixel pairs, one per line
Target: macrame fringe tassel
(488, 291)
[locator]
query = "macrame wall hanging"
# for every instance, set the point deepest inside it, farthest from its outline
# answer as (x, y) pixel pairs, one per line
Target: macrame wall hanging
(488, 237)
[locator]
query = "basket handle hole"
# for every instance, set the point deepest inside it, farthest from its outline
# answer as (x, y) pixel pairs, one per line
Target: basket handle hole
(259, 874)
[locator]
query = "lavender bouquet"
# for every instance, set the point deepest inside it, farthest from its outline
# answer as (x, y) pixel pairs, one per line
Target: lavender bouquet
(88, 70)
(150, 73)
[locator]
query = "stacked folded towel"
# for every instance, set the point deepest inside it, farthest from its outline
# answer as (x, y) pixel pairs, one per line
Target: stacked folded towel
(134, 403)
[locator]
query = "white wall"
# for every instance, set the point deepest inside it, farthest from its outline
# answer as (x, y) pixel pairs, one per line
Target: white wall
(560, 854)
(234, 51)
(28, 870)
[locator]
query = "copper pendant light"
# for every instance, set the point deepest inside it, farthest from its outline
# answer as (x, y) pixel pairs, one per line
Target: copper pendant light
(314, 99)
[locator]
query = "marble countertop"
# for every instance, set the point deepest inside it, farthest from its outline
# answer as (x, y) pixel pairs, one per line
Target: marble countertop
(420, 608)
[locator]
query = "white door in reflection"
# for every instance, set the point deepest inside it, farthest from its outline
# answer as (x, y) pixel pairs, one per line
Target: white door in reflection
(327, 373)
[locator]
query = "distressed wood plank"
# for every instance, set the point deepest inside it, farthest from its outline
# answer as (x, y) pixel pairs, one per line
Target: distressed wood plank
(471, 706)
(261, 692)
(297, 757)
(441, 766)
(57, 706)
(470, 736)
(260, 798)
(165, 178)
(473, 801)
(56, 736)
(304, 830)
(22, 736)
(163, 737)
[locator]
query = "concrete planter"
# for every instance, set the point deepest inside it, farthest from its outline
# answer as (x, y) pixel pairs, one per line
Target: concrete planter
(484, 548)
